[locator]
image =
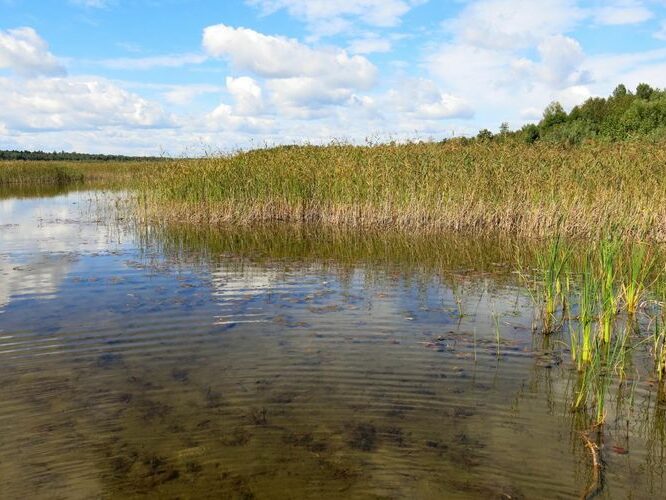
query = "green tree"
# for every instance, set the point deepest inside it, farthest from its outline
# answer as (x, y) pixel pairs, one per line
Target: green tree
(530, 133)
(620, 91)
(485, 135)
(554, 114)
(644, 91)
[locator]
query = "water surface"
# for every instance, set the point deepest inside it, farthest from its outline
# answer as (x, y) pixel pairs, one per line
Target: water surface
(287, 364)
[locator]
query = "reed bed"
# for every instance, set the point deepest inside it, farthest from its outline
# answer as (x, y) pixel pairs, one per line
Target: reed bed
(121, 175)
(36, 174)
(532, 190)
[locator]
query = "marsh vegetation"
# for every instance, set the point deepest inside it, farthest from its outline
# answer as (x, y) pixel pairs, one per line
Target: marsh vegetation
(366, 319)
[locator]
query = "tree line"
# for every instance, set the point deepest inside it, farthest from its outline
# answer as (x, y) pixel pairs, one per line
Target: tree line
(65, 156)
(622, 115)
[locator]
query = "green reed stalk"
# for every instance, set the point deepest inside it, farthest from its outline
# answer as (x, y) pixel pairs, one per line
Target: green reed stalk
(606, 361)
(637, 271)
(659, 348)
(552, 264)
(612, 363)
(588, 304)
(608, 288)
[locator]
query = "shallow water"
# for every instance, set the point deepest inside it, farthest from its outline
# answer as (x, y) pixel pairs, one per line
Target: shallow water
(144, 362)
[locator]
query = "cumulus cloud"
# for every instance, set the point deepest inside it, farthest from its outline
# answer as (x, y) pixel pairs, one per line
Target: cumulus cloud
(509, 58)
(306, 92)
(329, 17)
(421, 98)
(281, 57)
(247, 94)
(296, 75)
(225, 118)
(561, 58)
(512, 24)
(75, 104)
(23, 51)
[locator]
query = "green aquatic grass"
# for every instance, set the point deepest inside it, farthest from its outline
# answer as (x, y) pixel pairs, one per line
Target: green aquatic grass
(638, 266)
(588, 310)
(553, 266)
(608, 289)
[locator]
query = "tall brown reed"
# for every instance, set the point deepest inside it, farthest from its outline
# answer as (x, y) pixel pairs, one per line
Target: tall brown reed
(456, 185)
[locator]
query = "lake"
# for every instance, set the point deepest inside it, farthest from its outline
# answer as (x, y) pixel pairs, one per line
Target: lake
(289, 363)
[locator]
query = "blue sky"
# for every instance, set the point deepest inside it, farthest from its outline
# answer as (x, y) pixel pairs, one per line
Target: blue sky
(182, 77)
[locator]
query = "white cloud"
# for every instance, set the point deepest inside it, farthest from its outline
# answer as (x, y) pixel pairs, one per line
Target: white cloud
(75, 104)
(225, 118)
(421, 98)
(247, 94)
(281, 57)
(623, 12)
(297, 76)
(306, 92)
(512, 24)
(329, 17)
(23, 51)
(509, 58)
(561, 58)
(629, 68)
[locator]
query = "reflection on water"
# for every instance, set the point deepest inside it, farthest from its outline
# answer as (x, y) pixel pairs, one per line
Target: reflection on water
(273, 364)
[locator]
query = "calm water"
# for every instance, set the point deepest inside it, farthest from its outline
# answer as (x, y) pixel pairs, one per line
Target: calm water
(239, 365)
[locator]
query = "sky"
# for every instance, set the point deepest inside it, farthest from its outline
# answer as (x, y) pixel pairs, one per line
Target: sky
(184, 77)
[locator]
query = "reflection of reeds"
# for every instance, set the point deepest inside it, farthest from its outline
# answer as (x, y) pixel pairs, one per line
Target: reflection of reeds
(660, 331)
(660, 348)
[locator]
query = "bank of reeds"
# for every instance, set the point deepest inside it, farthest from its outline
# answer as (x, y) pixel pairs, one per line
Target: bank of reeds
(36, 174)
(521, 189)
(26, 174)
